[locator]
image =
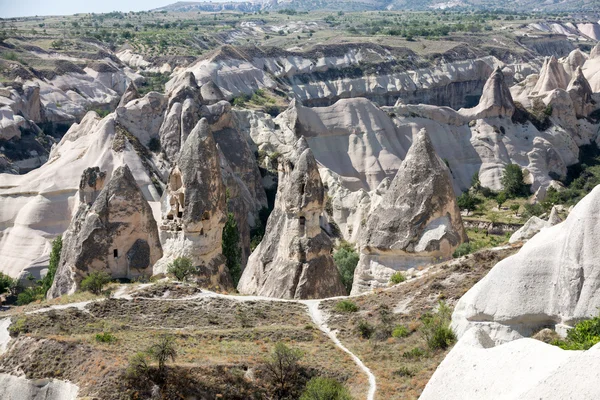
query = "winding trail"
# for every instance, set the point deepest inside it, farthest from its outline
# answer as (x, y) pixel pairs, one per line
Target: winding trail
(123, 292)
(319, 319)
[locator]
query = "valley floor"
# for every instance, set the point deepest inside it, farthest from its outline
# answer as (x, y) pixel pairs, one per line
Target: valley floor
(223, 339)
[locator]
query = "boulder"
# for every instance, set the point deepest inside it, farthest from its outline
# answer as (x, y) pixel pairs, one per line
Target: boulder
(293, 261)
(527, 231)
(553, 281)
(416, 223)
(116, 234)
(525, 369)
(194, 210)
(211, 93)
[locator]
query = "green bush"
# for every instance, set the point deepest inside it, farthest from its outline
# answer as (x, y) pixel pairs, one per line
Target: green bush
(582, 336)
(181, 268)
(346, 306)
(512, 181)
(435, 328)
(105, 337)
(283, 369)
(397, 277)
(400, 331)
(95, 282)
(346, 260)
(466, 201)
(462, 250)
(6, 283)
(230, 247)
(365, 330)
(414, 354)
(154, 145)
(319, 388)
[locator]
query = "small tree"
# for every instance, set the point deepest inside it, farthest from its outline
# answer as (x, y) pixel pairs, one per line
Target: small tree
(230, 247)
(319, 388)
(501, 198)
(436, 329)
(95, 282)
(467, 201)
(512, 180)
(282, 368)
(181, 268)
(53, 264)
(346, 259)
(162, 351)
(7, 283)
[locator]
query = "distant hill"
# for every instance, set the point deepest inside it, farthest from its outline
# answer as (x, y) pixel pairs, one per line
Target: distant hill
(370, 5)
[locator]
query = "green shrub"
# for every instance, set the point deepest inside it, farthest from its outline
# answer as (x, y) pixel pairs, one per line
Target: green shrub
(346, 306)
(435, 328)
(397, 277)
(365, 330)
(404, 371)
(346, 260)
(414, 353)
(400, 331)
(319, 388)
(582, 336)
(283, 369)
(531, 210)
(512, 181)
(466, 201)
(95, 282)
(105, 337)
(6, 283)
(230, 247)
(29, 295)
(462, 250)
(154, 145)
(181, 268)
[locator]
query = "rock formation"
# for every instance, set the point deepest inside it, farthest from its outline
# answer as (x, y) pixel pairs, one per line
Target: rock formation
(416, 223)
(581, 94)
(525, 369)
(551, 282)
(496, 100)
(115, 234)
(131, 93)
(194, 210)
(293, 261)
(552, 76)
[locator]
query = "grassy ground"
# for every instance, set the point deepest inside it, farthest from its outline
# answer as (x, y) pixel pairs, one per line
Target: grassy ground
(401, 371)
(218, 341)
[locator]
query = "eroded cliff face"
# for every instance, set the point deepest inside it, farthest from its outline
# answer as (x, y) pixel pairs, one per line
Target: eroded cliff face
(293, 261)
(417, 222)
(194, 210)
(327, 74)
(113, 233)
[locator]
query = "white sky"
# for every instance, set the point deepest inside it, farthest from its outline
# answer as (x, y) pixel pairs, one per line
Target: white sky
(26, 8)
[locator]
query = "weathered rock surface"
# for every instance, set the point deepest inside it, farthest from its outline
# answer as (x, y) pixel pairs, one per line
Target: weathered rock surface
(116, 234)
(581, 94)
(293, 260)
(416, 223)
(19, 388)
(525, 369)
(553, 281)
(38, 206)
(496, 100)
(194, 209)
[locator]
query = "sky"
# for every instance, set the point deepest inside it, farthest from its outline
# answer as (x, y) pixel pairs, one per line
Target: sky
(27, 8)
